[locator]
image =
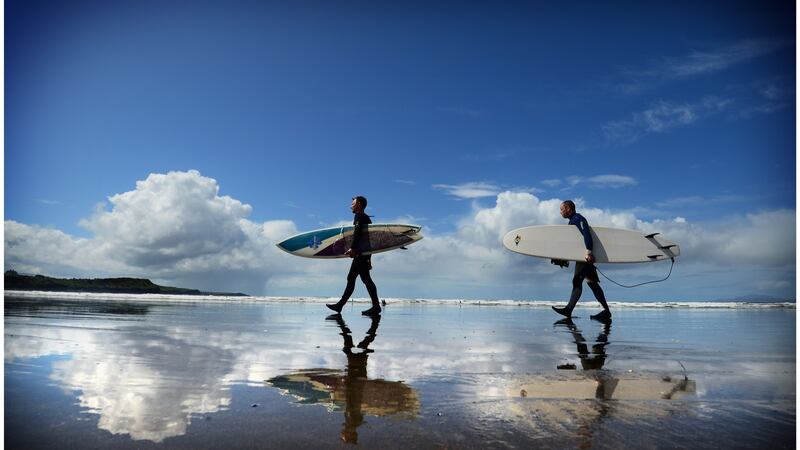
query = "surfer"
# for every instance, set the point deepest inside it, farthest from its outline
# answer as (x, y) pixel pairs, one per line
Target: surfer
(583, 270)
(361, 264)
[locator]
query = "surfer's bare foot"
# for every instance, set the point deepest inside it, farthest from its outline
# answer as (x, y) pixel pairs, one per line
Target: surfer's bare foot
(334, 306)
(603, 316)
(374, 311)
(563, 311)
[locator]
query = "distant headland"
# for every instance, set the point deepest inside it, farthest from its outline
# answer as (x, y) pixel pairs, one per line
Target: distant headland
(17, 282)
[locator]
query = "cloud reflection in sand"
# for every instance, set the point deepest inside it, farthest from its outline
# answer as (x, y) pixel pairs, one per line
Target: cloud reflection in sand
(149, 371)
(148, 379)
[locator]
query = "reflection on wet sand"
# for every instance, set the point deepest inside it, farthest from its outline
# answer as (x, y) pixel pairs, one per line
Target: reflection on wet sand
(350, 388)
(192, 376)
(18, 307)
(574, 402)
(595, 383)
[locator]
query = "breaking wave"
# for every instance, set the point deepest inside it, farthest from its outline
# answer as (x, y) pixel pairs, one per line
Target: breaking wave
(162, 298)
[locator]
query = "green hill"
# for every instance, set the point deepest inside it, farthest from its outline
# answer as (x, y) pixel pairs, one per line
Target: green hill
(17, 282)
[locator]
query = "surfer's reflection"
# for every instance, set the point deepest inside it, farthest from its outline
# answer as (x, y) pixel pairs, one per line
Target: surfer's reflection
(355, 376)
(593, 359)
(350, 388)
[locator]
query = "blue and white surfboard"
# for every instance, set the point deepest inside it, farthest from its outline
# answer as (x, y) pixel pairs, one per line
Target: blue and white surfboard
(334, 242)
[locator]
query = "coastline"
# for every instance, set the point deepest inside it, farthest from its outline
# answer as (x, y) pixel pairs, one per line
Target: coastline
(587, 304)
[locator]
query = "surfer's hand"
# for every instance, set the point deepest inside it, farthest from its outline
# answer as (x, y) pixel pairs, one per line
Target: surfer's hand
(589, 256)
(350, 253)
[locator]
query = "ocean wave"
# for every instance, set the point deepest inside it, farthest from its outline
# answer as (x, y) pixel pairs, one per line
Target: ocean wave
(164, 298)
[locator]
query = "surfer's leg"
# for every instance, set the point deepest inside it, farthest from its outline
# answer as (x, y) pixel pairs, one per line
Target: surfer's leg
(371, 288)
(577, 290)
(351, 282)
(593, 280)
(577, 286)
(598, 293)
(605, 314)
(348, 290)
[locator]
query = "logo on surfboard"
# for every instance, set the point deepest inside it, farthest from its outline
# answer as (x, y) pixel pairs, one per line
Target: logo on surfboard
(314, 242)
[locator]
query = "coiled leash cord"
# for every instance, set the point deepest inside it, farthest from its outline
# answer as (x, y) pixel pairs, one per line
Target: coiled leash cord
(640, 284)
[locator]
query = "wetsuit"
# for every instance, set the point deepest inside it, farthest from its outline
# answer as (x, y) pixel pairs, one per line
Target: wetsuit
(585, 270)
(361, 264)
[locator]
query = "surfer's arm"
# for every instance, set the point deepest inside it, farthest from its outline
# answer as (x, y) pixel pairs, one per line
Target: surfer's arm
(583, 227)
(357, 231)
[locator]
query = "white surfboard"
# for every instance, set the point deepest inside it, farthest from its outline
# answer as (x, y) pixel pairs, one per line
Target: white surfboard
(333, 242)
(610, 245)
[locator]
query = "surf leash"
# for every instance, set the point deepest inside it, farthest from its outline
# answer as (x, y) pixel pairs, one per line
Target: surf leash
(640, 284)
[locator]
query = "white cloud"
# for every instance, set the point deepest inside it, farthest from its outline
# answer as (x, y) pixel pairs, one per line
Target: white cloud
(697, 63)
(699, 201)
(766, 96)
(176, 229)
(173, 227)
(470, 190)
(170, 218)
(700, 62)
(610, 181)
(555, 182)
(662, 117)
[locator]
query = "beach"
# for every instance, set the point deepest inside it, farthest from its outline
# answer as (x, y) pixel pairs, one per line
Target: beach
(125, 371)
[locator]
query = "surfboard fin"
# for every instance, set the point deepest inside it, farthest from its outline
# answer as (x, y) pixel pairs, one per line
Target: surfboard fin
(654, 256)
(403, 248)
(667, 247)
(650, 236)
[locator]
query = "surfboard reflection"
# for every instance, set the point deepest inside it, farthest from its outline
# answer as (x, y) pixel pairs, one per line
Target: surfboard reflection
(609, 384)
(350, 389)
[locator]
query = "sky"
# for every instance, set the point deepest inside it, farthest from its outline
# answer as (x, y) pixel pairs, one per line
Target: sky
(179, 141)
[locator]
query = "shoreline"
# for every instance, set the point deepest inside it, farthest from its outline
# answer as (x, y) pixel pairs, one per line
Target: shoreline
(586, 304)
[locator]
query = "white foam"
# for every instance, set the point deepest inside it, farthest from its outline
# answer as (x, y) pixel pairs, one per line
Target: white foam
(166, 298)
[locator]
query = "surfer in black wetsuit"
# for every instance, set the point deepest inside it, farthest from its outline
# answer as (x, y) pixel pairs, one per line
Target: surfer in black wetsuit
(361, 264)
(583, 270)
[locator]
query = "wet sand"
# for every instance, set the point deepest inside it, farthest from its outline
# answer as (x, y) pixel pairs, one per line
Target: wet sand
(147, 374)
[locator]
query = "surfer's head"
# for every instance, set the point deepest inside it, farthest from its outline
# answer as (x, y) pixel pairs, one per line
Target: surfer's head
(359, 204)
(567, 209)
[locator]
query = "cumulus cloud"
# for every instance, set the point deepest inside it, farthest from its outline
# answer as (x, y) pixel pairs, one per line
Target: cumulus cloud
(176, 229)
(173, 226)
(727, 254)
(169, 219)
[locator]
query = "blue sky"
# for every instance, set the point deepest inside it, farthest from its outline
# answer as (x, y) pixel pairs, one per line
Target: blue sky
(648, 113)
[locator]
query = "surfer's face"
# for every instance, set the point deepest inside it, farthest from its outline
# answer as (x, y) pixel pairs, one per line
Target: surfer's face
(566, 211)
(354, 206)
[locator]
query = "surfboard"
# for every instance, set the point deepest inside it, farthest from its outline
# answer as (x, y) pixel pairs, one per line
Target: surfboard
(333, 242)
(610, 245)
